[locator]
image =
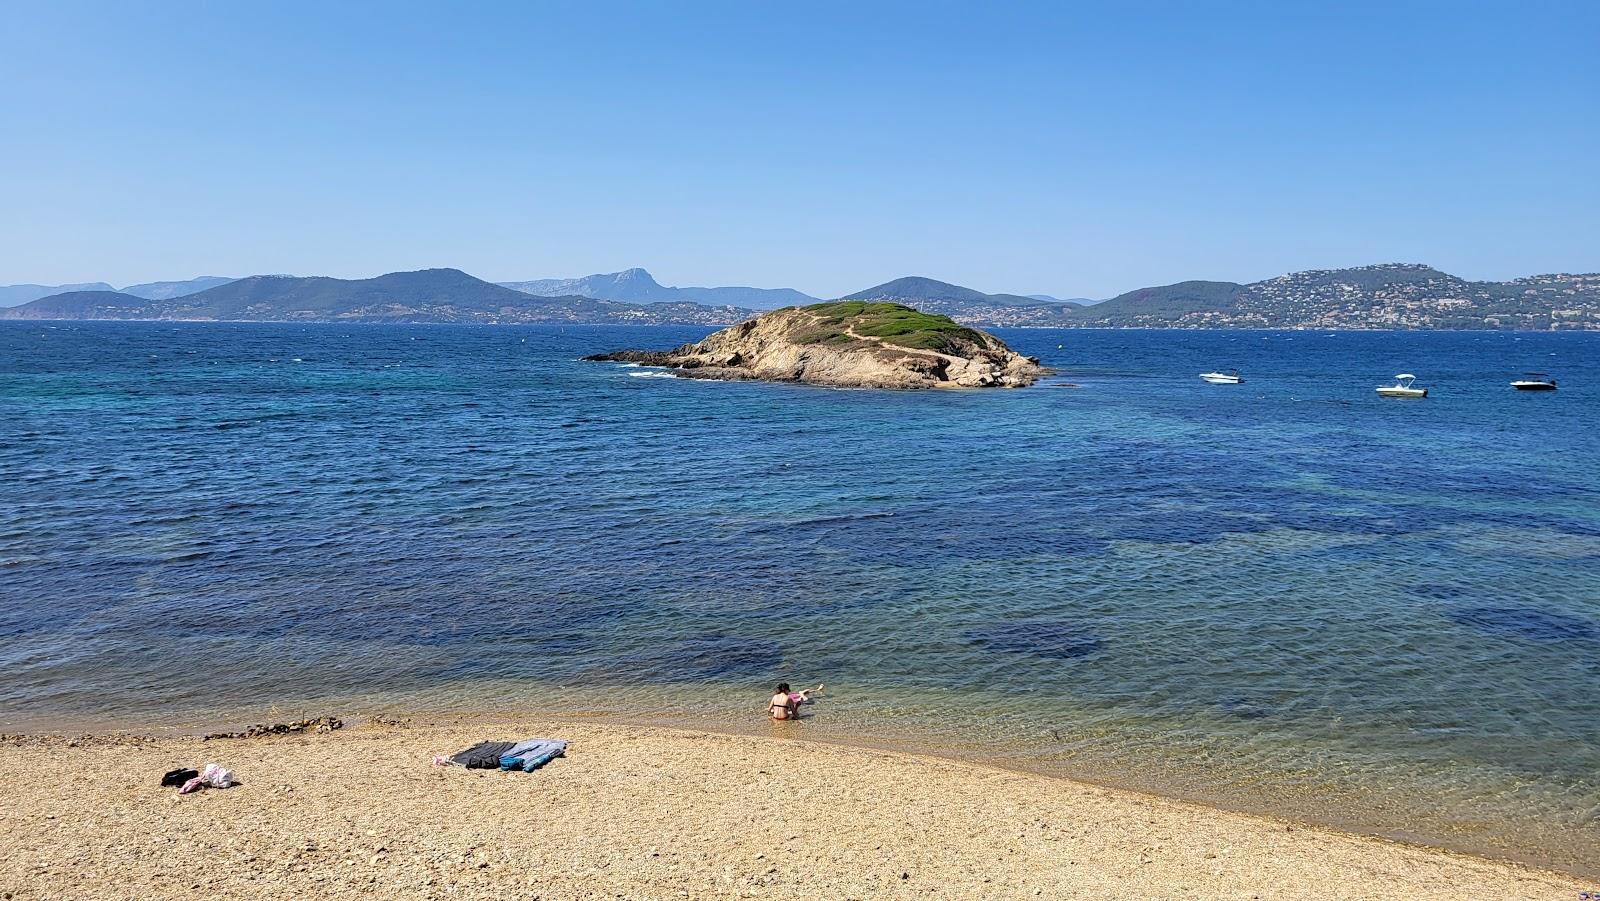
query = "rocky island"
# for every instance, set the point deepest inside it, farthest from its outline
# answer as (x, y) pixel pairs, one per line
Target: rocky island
(848, 344)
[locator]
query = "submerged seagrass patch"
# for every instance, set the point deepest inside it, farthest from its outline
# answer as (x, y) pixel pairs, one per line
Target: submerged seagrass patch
(1049, 638)
(1531, 623)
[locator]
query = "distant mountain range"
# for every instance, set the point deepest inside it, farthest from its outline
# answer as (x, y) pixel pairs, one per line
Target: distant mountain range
(12, 295)
(638, 286)
(1388, 296)
(431, 295)
(169, 290)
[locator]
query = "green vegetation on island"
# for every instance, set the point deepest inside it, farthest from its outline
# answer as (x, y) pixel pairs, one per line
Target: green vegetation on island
(841, 321)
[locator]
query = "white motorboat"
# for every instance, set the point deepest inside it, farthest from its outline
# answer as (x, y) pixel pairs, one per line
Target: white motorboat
(1534, 381)
(1225, 377)
(1403, 387)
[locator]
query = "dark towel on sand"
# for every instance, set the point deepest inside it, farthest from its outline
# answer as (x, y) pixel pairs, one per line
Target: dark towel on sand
(485, 755)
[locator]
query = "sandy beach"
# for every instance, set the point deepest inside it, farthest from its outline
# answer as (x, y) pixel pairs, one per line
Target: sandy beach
(637, 812)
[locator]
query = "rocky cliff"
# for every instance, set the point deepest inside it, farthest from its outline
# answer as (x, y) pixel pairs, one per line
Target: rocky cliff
(851, 344)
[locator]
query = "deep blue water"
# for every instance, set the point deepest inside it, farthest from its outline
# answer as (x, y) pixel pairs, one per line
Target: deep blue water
(1288, 594)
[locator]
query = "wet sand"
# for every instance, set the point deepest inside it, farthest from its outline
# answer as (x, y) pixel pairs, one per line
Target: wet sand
(641, 812)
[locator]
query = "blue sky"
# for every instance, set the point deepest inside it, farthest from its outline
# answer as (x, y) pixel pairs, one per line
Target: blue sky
(1071, 149)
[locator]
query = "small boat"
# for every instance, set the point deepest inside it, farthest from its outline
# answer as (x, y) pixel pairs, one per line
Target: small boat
(1225, 377)
(1402, 387)
(1534, 381)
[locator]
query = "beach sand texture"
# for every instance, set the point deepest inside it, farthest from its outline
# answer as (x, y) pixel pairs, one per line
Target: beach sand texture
(635, 812)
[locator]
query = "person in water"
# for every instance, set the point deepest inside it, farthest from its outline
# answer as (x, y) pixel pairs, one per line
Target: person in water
(785, 705)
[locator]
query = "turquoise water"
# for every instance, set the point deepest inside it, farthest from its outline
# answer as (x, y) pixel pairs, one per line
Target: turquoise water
(1289, 595)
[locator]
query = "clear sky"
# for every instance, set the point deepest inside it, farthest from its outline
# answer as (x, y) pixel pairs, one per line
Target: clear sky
(1069, 149)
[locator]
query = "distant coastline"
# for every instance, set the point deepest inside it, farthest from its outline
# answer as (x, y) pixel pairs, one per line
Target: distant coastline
(1386, 297)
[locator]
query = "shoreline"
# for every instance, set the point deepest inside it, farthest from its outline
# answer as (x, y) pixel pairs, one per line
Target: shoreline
(1389, 824)
(1155, 834)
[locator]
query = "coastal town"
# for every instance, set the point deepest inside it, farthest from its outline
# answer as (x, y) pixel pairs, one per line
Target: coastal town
(1416, 297)
(1385, 296)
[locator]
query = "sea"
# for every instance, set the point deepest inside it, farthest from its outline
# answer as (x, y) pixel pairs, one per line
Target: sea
(1287, 596)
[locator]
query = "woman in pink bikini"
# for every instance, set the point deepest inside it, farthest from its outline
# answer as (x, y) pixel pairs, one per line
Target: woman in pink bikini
(785, 705)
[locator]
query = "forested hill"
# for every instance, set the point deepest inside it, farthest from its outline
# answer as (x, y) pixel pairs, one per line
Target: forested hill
(429, 295)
